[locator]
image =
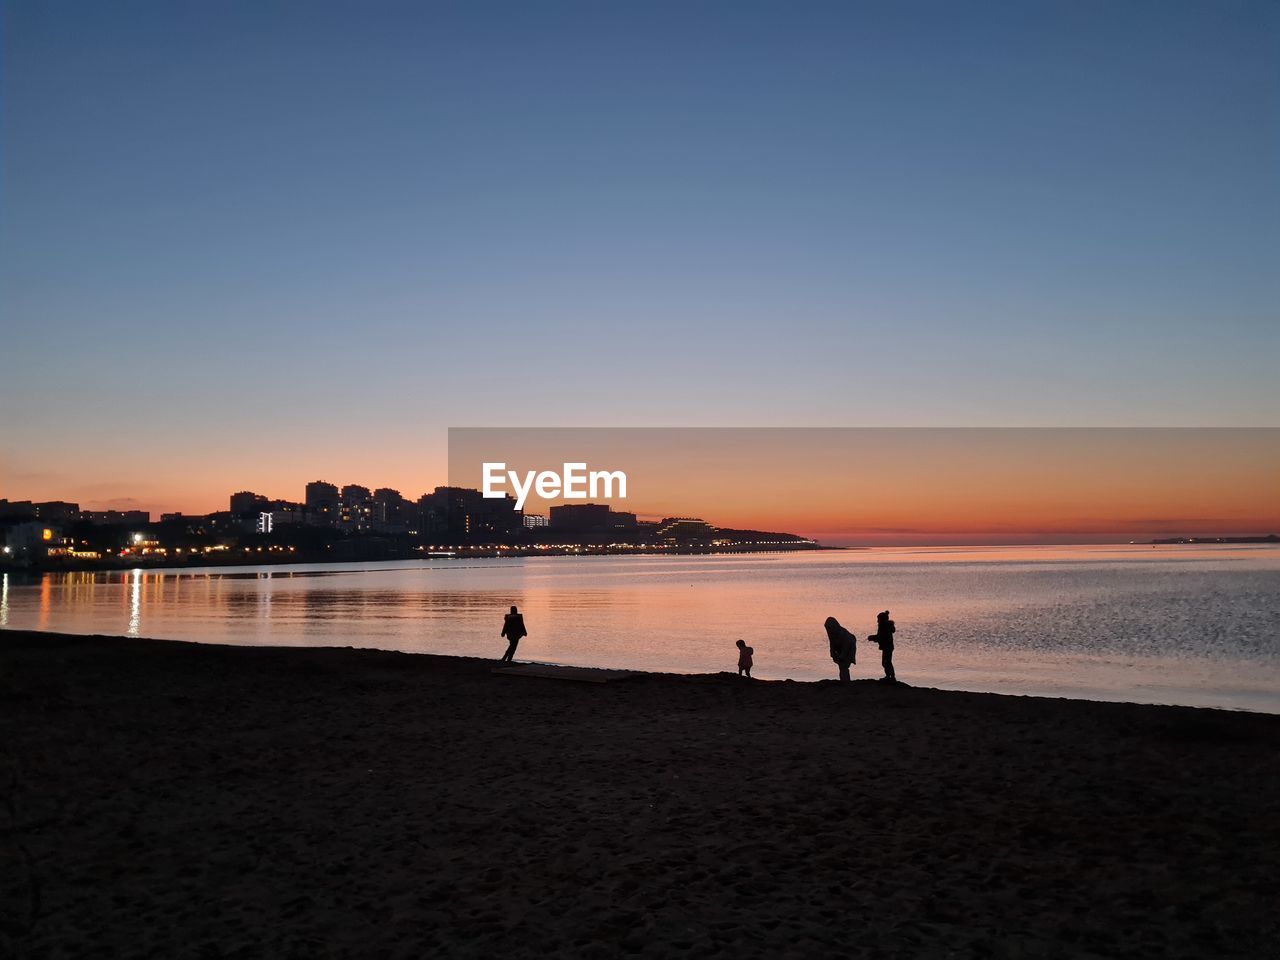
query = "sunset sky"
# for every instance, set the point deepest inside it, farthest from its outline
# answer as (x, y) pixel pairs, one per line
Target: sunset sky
(248, 245)
(915, 485)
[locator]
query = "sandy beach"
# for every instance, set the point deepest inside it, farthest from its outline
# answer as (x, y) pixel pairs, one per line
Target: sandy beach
(176, 800)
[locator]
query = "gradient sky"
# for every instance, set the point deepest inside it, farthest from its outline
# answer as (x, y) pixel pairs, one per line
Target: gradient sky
(246, 245)
(865, 486)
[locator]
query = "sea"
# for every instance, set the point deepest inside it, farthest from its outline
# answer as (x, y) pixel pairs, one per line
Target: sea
(1182, 624)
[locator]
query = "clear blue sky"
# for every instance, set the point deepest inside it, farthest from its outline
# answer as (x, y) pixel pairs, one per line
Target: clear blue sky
(244, 239)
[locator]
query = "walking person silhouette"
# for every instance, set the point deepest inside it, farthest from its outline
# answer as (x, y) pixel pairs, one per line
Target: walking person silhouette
(844, 646)
(513, 629)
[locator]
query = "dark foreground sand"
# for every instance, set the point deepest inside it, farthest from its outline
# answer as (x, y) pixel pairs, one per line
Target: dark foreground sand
(172, 800)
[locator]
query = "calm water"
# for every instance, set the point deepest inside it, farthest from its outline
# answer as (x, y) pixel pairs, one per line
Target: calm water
(1190, 625)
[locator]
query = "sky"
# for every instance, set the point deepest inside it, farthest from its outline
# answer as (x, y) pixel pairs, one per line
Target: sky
(908, 486)
(248, 245)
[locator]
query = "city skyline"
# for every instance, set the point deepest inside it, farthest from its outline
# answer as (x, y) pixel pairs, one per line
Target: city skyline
(872, 487)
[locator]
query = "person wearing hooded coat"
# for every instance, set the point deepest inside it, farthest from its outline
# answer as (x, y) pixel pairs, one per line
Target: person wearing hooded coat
(844, 647)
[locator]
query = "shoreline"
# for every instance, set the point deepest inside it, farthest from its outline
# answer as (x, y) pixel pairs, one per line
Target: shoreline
(262, 558)
(634, 673)
(268, 559)
(187, 799)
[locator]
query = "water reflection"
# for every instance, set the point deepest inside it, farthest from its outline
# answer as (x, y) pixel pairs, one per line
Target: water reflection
(1199, 625)
(46, 603)
(135, 604)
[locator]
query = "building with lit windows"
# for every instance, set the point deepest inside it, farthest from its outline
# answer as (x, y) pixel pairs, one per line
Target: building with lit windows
(462, 515)
(322, 503)
(57, 511)
(684, 529)
(116, 518)
(35, 540)
(388, 506)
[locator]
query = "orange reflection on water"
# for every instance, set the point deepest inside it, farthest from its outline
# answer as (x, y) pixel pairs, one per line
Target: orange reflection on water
(1182, 624)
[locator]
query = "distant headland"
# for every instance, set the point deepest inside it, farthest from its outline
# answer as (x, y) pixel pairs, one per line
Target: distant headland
(1269, 538)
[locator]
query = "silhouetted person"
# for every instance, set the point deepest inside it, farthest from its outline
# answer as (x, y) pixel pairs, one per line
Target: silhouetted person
(513, 629)
(744, 659)
(844, 646)
(884, 637)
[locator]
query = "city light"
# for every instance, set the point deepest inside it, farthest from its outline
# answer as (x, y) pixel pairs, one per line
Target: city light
(383, 525)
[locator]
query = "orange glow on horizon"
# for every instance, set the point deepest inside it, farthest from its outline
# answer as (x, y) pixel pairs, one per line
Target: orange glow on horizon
(921, 486)
(839, 486)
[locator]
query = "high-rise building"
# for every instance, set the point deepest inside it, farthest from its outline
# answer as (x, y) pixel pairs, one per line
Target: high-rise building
(285, 511)
(353, 493)
(322, 503)
(116, 518)
(463, 515)
(389, 506)
(247, 502)
(357, 507)
(57, 511)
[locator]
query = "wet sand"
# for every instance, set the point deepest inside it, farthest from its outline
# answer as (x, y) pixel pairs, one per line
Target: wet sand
(180, 800)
